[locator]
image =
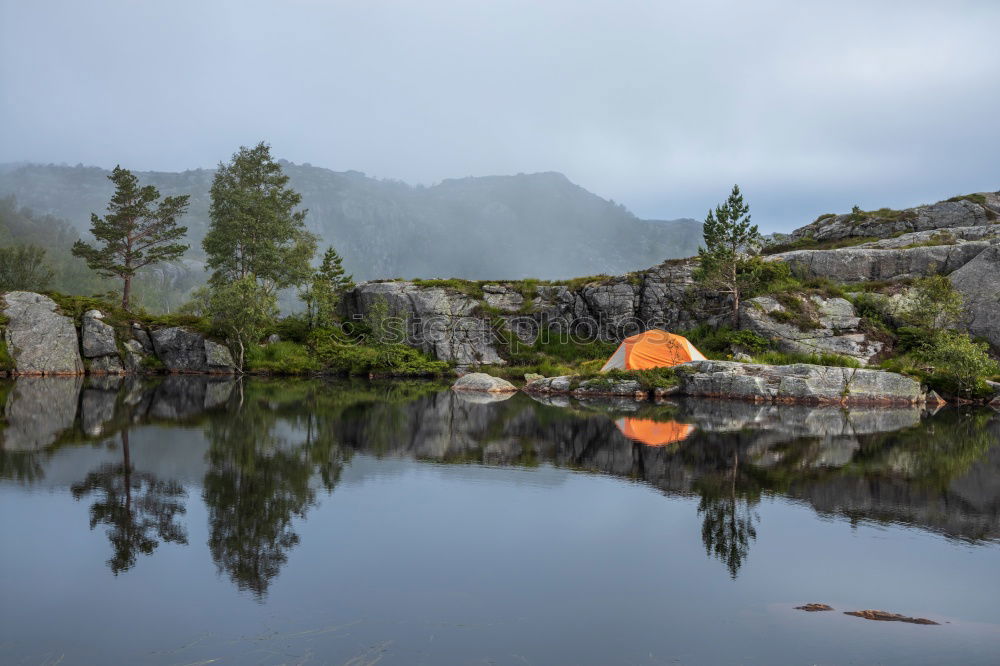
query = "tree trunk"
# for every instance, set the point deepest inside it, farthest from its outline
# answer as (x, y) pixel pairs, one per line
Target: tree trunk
(127, 465)
(126, 292)
(736, 308)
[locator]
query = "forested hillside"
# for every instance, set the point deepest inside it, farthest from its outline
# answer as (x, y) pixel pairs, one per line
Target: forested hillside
(528, 225)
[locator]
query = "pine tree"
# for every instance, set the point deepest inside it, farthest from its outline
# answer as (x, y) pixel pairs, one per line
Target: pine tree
(255, 230)
(329, 285)
(731, 244)
(136, 232)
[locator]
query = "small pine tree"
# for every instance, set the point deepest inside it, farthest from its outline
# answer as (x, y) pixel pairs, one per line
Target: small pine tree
(136, 232)
(330, 284)
(731, 244)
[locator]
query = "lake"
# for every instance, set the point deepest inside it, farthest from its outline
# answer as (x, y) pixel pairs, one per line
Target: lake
(194, 520)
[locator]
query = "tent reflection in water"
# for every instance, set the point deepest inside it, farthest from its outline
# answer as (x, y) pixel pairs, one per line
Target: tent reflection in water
(653, 433)
(652, 349)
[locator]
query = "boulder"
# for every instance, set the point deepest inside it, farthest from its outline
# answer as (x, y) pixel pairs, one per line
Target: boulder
(40, 340)
(550, 385)
(979, 283)
(602, 386)
(480, 381)
(834, 330)
(798, 383)
(96, 337)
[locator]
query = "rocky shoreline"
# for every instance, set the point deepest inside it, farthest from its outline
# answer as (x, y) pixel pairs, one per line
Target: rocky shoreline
(41, 341)
(780, 384)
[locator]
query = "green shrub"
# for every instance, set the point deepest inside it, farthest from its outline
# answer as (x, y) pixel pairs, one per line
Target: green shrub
(959, 365)
(281, 358)
(717, 343)
(293, 327)
(6, 361)
(337, 354)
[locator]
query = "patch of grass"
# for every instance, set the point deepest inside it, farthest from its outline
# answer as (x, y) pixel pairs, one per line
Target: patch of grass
(153, 364)
(336, 354)
(467, 287)
(791, 358)
(799, 311)
(974, 198)
(718, 343)
(937, 238)
(6, 360)
(859, 216)
(810, 243)
(281, 358)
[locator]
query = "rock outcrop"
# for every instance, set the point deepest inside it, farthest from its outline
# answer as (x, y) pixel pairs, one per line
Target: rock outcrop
(961, 212)
(39, 339)
(979, 283)
(854, 264)
(798, 383)
(42, 341)
(455, 326)
(590, 387)
(97, 340)
(182, 350)
(483, 383)
(831, 326)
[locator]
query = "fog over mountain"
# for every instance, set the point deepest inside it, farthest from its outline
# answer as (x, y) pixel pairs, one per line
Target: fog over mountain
(812, 107)
(527, 225)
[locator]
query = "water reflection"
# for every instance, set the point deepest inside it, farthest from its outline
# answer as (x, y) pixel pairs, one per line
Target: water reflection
(270, 449)
(137, 507)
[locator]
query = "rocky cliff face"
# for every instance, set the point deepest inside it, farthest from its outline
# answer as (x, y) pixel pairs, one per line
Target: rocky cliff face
(40, 340)
(960, 238)
(471, 329)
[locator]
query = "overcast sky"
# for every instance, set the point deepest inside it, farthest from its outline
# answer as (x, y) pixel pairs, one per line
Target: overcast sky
(811, 107)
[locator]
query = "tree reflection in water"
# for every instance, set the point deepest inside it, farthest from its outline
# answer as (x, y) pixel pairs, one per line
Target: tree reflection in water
(274, 444)
(728, 523)
(264, 449)
(138, 508)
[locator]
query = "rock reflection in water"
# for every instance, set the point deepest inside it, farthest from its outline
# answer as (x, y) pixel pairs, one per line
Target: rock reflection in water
(273, 446)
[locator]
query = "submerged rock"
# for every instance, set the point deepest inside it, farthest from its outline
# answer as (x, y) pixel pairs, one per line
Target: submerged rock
(480, 381)
(884, 616)
(40, 340)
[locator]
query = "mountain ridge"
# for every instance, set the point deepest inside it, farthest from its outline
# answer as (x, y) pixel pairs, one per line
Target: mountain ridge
(481, 227)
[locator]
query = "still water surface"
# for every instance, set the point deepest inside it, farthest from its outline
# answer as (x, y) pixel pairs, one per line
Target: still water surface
(189, 521)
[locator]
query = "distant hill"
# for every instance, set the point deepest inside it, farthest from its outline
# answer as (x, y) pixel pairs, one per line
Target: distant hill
(529, 225)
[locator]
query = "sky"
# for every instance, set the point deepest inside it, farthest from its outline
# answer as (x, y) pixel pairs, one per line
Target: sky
(811, 107)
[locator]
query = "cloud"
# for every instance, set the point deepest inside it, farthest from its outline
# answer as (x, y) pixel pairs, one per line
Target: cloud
(810, 107)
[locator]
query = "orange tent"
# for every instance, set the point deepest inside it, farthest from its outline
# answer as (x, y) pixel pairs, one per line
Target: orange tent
(652, 349)
(653, 433)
